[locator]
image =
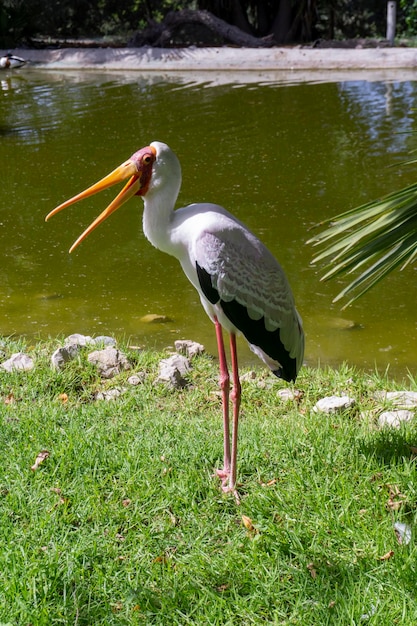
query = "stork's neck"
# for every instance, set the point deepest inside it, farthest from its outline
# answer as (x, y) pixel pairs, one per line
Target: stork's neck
(157, 217)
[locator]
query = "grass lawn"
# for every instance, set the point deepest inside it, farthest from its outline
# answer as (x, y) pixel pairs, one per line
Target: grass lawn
(123, 523)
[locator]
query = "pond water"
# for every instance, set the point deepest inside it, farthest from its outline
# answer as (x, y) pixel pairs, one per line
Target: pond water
(280, 155)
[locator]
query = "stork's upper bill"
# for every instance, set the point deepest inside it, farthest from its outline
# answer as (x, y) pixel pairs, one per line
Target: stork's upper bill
(138, 171)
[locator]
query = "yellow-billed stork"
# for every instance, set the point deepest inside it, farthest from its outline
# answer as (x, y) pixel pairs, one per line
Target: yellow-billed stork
(242, 287)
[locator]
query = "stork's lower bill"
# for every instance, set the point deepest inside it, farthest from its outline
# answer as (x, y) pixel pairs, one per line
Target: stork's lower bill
(241, 285)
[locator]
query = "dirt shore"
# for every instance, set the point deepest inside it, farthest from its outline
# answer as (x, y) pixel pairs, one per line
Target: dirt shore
(221, 59)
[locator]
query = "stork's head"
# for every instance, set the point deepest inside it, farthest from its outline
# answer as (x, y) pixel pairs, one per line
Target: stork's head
(146, 172)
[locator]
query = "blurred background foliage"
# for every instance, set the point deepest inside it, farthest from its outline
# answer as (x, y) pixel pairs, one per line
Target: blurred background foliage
(22, 21)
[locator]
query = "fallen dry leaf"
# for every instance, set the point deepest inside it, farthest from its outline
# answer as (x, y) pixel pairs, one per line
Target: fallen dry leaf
(63, 397)
(395, 498)
(126, 502)
(60, 502)
(376, 477)
(61, 499)
(162, 558)
(248, 524)
(173, 519)
(43, 454)
(387, 556)
(270, 483)
(393, 490)
(10, 399)
(117, 606)
(393, 505)
(312, 570)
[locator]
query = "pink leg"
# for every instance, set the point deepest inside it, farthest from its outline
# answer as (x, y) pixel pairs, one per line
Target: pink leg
(235, 397)
(225, 387)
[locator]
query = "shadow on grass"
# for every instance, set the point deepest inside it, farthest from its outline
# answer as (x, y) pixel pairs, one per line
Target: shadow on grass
(389, 445)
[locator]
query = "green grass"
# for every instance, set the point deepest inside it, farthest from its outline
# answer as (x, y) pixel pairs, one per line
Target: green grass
(124, 523)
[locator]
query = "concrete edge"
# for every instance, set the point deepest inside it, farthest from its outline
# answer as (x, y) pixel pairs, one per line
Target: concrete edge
(221, 59)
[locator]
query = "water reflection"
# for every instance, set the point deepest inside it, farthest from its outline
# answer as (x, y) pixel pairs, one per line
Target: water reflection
(281, 154)
(381, 107)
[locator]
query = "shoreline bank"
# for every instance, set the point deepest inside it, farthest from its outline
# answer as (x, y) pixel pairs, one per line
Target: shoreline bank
(220, 59)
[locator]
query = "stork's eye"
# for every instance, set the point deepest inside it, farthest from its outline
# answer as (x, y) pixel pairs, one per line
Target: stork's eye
(147, 159)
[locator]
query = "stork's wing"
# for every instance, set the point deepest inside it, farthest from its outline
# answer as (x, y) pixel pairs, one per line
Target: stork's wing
(237, 271)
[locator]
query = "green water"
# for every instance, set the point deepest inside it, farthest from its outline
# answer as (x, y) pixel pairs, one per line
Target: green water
(280, 156)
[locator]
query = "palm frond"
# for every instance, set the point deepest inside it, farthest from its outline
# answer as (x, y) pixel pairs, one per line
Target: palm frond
(379, 235)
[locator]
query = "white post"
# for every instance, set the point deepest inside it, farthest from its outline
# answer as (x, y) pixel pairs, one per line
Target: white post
(391, 20)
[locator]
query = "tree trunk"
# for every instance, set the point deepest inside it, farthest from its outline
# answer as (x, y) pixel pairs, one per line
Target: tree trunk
(391, 20)
(282, 22)
(264, 25)
(239, 17)
(164, 35)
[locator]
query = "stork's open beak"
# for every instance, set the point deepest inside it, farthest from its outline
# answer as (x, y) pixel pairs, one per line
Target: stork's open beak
(129, 170)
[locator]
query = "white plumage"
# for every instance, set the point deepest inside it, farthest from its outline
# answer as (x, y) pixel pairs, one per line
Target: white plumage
(241, 285)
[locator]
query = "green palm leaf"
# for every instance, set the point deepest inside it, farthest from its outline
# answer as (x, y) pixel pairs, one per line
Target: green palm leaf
(376, 238)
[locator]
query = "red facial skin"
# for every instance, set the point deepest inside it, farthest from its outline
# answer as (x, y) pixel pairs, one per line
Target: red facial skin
(144, 160)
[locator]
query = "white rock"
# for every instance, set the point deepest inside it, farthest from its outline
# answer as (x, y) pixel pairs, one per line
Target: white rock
(181, 363)
(173, 370)
(172, 377)
(61, 356)
(104, 340)
(18, 361)
(109, 361)
(136, 379)
(79, 340)
(110, 394)
(189, 348)
(248, 376)
(287, 395)
(402, 399)
(395, 418)
(334, 404)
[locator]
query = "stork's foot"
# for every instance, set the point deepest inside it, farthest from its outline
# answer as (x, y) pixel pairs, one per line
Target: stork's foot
(224, 476)
(227, 486)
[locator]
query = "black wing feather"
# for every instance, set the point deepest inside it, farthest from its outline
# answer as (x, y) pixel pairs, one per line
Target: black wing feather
(206, 285)
(253, 330)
